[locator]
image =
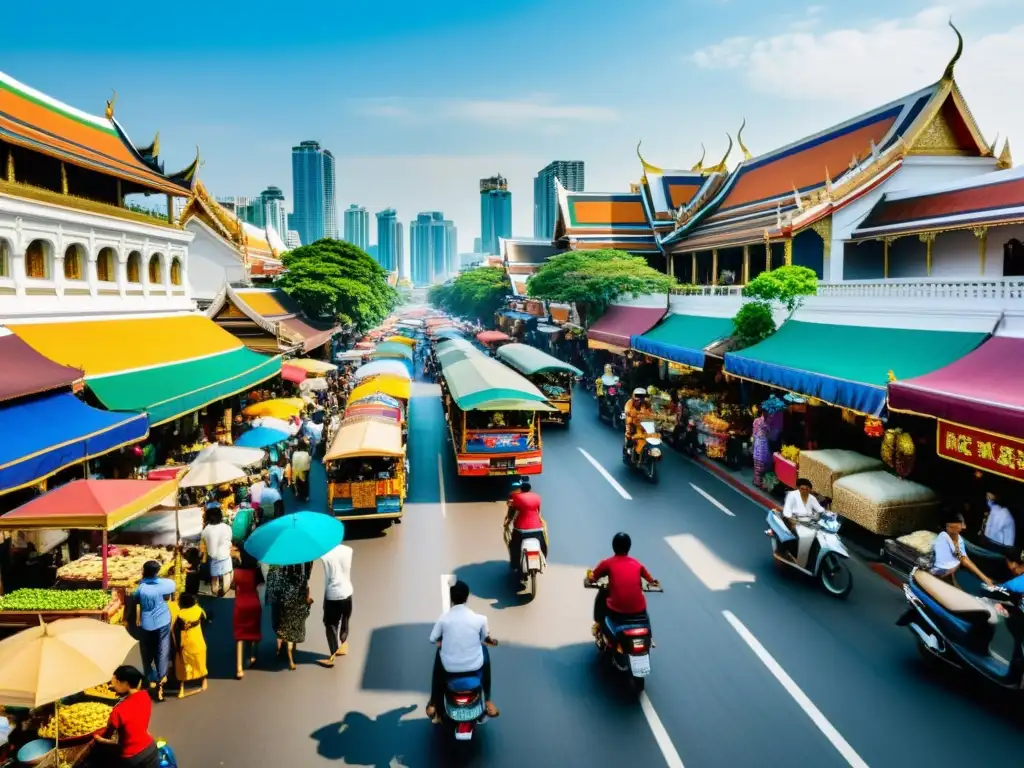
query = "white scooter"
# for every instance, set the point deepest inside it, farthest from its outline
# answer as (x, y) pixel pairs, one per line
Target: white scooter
(820, 553)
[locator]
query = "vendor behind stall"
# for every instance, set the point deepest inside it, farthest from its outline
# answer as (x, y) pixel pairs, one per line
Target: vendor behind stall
(129, 720)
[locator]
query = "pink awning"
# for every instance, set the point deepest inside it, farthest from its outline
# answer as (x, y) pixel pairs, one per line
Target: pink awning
(293, 373)
(619, 323)
(981, 390)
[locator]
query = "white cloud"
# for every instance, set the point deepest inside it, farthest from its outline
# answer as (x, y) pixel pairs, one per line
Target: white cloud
(867, 66)
(514, 113)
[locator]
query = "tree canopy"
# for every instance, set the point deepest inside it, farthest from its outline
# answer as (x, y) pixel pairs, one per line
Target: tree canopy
(475, 295)
(594, 279)
(332, 278)
(755, 320)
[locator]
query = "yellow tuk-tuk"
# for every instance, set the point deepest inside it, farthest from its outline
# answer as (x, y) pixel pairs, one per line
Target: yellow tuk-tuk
(366, 470)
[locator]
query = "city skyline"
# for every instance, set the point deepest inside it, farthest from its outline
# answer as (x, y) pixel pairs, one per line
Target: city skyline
(571, 174)
(314, 213)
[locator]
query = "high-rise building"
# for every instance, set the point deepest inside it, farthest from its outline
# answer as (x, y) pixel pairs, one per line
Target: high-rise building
(372, 251)
(495, 212)
(357, 226)
(433, 242)
(451, 241)
(400, 249)
(292, 240)
(545, 205)
(389, 239)
(478, 245)
(421, 249)
(315, 215)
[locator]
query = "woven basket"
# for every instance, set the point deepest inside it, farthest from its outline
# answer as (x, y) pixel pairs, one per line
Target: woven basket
(884, 519)
(816, 467)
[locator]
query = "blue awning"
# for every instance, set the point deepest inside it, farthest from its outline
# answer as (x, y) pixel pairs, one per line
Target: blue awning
(44, 435)
(683, 338)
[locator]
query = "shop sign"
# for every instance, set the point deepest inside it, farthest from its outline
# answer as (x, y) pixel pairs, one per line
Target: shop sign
(986, 451)
(497, 443)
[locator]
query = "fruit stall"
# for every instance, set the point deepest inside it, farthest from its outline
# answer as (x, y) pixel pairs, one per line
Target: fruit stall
(26, 607)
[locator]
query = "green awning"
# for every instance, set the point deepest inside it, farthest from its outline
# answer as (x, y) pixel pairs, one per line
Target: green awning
(683, 338)
(479, 380)
(847, 365)
(169, 391)
(530, 360)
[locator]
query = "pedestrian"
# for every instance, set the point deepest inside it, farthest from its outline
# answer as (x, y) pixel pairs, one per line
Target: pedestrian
(154, 625)
(216, 539)
(301, 462)
(248, 614)
(129, 721)
(190, 644)
(288, 591)
(271, 504)
(337, 600)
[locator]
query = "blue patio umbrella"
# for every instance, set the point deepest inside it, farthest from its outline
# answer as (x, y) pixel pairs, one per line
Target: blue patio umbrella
(261, 437)
(300, 537)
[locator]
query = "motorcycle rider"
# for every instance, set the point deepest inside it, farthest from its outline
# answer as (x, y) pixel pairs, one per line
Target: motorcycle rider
(462, 637)
(524, 521)
(638, 410)
(799, 503)
(624, 595)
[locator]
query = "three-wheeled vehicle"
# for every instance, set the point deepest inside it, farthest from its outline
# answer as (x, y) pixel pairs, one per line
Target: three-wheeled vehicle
(366, 469)
(549, 374)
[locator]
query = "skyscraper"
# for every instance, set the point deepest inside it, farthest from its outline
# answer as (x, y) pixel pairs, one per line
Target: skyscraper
(495, 212)
(433, 243)
(478, 245)
(315, 215)
(451, 238)
(421, 249)
(545, 205)
(400, 249)
(357, 226)
(389, 239)
(272, 210)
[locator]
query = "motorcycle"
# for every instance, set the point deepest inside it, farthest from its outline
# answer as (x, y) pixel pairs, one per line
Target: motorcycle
(820, 553)
(531, 561)
(464, 702)
(610, 405)
(649, 454)
(957, 628)
(626, 645)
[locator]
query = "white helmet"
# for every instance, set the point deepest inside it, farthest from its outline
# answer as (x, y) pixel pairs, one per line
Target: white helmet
(640, 392)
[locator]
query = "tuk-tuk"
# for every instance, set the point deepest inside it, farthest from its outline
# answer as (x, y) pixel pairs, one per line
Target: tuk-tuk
(366, 470)
(549, 374)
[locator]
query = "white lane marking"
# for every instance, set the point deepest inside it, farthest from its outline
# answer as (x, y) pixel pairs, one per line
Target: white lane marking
(716, 574)
(841, 745)
(661, 737)
(604, 473)
(713, 500)
(440, 482)
(446, 595)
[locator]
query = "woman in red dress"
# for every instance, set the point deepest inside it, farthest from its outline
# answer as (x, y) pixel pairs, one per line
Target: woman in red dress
(248, 611)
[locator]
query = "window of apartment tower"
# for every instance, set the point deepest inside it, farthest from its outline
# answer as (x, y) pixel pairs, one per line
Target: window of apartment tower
(154, 269)
(134, 267)
(105, 265)
(1013, 259)
(73, 263)
(37, 265)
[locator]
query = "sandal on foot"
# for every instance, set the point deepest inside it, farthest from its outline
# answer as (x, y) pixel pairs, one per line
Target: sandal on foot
(329, 662)
(491, 710)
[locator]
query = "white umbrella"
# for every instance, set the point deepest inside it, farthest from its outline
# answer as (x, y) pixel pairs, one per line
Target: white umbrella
(279, 424)
(205, 473)
(313, 385)
(232, 454)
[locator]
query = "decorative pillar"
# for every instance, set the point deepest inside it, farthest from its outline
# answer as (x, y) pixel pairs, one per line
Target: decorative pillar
(928, 238)
(824, 229)
(170, 209)
(120, 196)
(746, 264)
(886, 242)
(767, 255)
(90, 272)
(63, 179)
(788, 251)
(693, 268)
(10, 166)
(982, 234)
(714, 266)
(670, 263)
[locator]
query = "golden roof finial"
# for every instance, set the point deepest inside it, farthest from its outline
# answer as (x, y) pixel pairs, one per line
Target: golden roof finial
(739, 140)
(828, 184)
(948, 74)
(1005, 158)
(699, 167)
(111, 103)
(647, 166)
(721, 167)
(156, 144)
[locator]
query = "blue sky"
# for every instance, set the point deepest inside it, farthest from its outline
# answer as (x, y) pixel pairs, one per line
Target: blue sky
(420, 100)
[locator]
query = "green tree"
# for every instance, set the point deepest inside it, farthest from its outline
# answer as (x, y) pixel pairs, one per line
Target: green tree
(753, 323)
(785, 285)
(594, 279)
(332, 278)
(475, 295)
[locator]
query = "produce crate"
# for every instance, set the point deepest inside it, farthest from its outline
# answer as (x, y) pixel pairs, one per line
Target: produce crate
(884, 504)
(785, 470)
(824, 468)
(112, 614)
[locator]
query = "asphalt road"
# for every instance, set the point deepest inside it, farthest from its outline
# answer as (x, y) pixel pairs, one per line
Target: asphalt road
(752, 667)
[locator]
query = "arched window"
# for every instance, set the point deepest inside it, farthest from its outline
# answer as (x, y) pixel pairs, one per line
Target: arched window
(73, 263)
(105, 265)
(5, 259)
(134, 267)
(37, 260)
(154, 269)
(1013, 259)
(175, 272)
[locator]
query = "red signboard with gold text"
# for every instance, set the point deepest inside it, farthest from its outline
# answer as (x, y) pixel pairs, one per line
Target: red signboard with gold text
(983, 450)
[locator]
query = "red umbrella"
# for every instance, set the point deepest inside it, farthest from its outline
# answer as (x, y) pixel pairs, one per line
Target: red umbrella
(492, 337)
(293, 373)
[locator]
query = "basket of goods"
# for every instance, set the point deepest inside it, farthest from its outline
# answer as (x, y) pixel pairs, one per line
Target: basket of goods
(124, 566)
(76, 722)
(790, 453)
(914, 550)
(103, 691)
(53, 600)
(898, 451)
(884, 504)
(824, 468)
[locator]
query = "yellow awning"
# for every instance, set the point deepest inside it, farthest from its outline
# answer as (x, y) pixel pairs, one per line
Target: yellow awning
(281, 408)
(386, 384)
(102, 347)
(309, 365)
(403, 340)
(364, 436)
(595, 344)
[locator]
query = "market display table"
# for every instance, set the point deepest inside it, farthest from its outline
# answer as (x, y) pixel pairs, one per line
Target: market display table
(884, 504)
(73, 756)
(824, 468)
(112, 614)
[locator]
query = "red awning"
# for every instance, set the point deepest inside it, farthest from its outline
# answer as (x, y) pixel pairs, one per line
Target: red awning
(491, 337)
(312, 336)
(293, 373)
(619, 323)
(982, 390)
(26, 372)
(89, 505)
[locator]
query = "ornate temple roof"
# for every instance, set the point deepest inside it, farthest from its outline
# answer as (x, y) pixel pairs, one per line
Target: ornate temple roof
(593, 220)
(271, 310)
(35, 121)
(252, 243)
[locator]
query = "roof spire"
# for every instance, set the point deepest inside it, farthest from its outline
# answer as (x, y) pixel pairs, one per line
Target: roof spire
(828, 183)
(739, 140)
(797, 199)
(721, 167)
(111, 103)
(948, 74)
(647, 166)
(1005, 158)
(156, 144)
(699, 167)
(992, 147)
(778, 219)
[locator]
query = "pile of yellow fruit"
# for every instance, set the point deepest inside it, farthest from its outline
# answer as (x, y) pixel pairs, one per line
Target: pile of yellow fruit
(102, 691)
(124, 568)
(77, 720)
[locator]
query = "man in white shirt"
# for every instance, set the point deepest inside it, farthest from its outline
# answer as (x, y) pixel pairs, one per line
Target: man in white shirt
(301, 462)
(951, 552)
(462, 637)
(337, 600)
(1000, 526)
(799, 503)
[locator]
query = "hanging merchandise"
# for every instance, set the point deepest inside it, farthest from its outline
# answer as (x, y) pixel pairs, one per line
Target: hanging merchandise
(873, 428)
(773, 405)
(906, 456)
(889, 448)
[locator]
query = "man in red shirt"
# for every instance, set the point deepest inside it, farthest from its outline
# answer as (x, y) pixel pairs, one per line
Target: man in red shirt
(130, 721)
(624, 595)
(525, 522)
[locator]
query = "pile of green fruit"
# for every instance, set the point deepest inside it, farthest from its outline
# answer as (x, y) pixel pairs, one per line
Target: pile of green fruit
(55, 600)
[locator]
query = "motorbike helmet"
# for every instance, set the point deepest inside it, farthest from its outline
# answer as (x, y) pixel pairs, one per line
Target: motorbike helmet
(621, 543)
(640, 392)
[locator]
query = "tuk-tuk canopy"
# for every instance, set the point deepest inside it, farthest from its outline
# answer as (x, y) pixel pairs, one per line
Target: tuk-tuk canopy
(366, 436)
(379, 367)
(453, 354)
(530, 360)
(392, 349)
(374, 409)
(386, 384)
(477, 380)
(376, 397)
(401, 340)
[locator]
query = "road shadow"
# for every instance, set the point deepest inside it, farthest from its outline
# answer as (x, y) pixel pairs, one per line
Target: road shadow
(389, 740)
(493, 581)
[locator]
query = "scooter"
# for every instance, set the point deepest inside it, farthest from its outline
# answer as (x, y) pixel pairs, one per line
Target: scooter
(464, 703)
(531, 561)
(610, 405)
(820, 553)
(626, 645)
(646, 462)
(957, 628)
